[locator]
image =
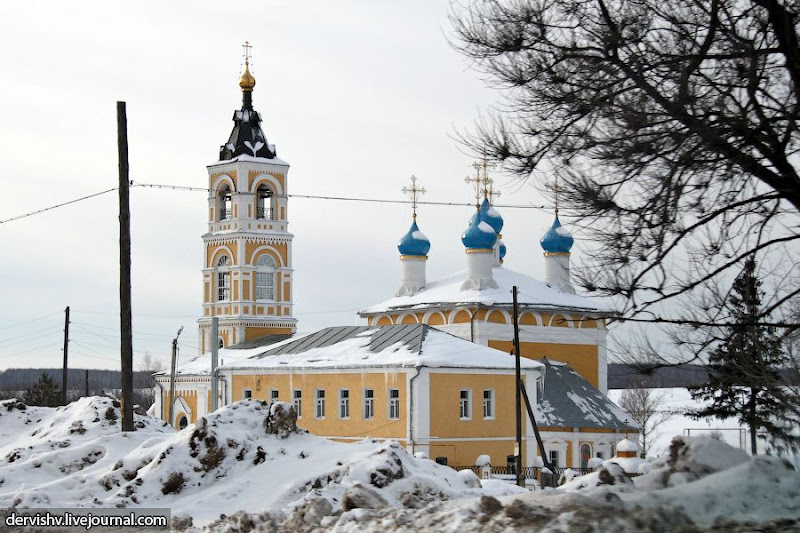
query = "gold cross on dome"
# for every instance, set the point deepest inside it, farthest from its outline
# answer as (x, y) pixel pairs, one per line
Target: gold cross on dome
(414, 192)
(477, 183)
(246, 49)
(491, 193)
(555, 190)
(482, 172)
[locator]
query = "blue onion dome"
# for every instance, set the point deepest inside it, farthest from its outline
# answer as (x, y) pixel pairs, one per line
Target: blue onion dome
(414, 242)
(490, 215)
(557, 239)
(501, 246)
(479, 235)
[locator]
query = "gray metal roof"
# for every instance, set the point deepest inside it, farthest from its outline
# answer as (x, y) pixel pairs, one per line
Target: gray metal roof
(571, 401)
(410, 335)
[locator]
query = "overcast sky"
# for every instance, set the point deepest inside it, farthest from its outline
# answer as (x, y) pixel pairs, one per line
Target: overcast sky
(357, 96)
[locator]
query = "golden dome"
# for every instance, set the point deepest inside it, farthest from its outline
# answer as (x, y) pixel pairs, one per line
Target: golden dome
(247, 81)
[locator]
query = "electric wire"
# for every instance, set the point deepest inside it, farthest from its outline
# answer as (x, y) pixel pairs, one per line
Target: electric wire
(76, 200)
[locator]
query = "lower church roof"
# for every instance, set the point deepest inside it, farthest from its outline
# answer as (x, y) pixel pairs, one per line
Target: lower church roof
(413, 345)
(571, 401)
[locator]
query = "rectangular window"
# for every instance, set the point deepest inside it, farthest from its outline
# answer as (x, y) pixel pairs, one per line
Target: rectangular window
(539, 390)
(554, 458)
(369, 403)
(394, 403)
(265, 285)
(223, 286)
(488, 403)
(344, 403)
(319, 404)
(297, 401)
(247, 393)
(273, 395)
(464, 404)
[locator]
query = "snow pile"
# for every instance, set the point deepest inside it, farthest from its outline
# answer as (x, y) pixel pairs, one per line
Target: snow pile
(703, 485)
(247, 457)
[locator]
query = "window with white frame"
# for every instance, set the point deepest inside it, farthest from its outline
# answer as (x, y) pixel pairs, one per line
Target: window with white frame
(539, 390)
(369, 403)
(319, 403)
(223, 278)
(554, 458)
(264, 203)
(488, 404)
(394, 403)
(465, 409)
(273, 395)
(265, 278)
(247, 393)
(297, 401)
(344, 403)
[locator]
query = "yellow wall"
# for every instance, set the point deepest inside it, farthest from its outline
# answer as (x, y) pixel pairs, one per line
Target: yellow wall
(332, 425)
(190, 397)
(257, 333)
(581, 357)
(445, 406)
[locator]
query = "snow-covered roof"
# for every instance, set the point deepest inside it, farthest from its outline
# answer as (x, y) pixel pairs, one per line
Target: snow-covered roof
(532, 293)
(201, 365)
(571, 401)
(413, 345)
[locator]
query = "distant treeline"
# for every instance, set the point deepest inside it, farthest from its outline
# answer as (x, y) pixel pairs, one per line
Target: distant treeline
(19, 379)
(623, 376)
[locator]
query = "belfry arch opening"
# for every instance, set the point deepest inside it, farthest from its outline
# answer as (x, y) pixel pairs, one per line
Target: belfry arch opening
(265, 209)
(224, 204)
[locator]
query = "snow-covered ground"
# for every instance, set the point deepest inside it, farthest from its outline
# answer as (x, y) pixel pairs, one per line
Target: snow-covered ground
(246, 462)
(675, 402)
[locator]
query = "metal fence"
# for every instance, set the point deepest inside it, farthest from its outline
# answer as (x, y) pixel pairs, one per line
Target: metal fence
(528, 472)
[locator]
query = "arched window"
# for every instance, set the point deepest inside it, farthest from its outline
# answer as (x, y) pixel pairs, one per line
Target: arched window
(220, 343)
(223, 278)
(265, 278)
(183, 422)
(264, 203)
(586, 454)
(224, 203)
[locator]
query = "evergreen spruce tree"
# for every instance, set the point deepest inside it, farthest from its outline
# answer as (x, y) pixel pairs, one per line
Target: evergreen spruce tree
(45, 393)
(745, 380)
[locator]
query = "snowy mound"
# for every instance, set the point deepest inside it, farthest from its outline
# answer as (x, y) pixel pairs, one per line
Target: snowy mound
(703, 484)
(247, 457)
(49, 449)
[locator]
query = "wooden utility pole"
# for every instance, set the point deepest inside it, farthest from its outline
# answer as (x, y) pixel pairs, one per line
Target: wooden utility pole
(126, 334)
(517, 399)
(66, 347)
(172, 377)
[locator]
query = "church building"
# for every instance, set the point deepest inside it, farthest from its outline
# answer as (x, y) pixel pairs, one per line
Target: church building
(431, 366)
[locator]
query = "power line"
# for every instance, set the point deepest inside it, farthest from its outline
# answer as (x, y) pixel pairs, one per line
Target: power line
(57, 205)
(31, 320)
(341, 198)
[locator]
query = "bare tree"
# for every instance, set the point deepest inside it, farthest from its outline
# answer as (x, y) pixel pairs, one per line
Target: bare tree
(672, 128)
(646, 407)
(146, 396)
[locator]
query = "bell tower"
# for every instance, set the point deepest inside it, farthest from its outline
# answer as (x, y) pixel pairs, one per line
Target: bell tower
(247, 270)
